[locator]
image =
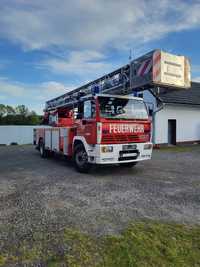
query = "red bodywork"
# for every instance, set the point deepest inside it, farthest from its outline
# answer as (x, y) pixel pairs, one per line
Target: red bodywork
(112, 131)
(88, 129)
(125, 131)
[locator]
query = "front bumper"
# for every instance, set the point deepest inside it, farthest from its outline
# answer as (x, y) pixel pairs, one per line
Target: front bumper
(118, 155)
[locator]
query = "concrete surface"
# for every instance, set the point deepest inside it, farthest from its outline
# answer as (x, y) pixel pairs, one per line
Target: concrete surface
(48, 194)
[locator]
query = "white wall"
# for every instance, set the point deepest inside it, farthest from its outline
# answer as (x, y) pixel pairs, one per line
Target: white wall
(19, 134)
(187, 123)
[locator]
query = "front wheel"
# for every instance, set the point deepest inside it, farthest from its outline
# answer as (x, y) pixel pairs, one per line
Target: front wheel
(81, 159)
(128, 164)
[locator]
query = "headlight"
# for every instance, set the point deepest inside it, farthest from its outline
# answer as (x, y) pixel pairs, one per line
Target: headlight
(148, 146)
(105, 149)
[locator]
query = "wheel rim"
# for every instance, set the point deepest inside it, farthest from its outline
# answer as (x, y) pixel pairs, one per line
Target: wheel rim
(81, 158)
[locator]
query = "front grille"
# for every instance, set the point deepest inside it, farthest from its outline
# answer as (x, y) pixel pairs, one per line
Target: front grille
(120, 139)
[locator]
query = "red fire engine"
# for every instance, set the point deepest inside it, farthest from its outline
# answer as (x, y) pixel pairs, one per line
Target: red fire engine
(99, 123)
(100, 129)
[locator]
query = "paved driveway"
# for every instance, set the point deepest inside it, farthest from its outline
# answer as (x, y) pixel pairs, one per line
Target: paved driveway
(48, 194)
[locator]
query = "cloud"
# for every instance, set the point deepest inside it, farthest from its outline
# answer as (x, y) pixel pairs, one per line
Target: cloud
(196, 79)
(94, 24)
(11, 89)
(52, 89)
(21, 90)
(79, 63)
(34, 96)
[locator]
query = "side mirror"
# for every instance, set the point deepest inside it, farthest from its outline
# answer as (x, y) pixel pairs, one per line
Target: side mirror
(150, 112)
(79, 116)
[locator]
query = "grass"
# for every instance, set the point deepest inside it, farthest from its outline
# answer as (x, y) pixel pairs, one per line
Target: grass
(141, 244)
(177, 148)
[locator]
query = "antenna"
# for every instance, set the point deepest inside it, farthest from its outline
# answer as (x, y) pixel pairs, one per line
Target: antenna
(130, 71)
(130, 55)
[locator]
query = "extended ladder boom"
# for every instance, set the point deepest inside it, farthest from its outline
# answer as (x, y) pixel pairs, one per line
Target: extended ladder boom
(116, 82)
(157, 68)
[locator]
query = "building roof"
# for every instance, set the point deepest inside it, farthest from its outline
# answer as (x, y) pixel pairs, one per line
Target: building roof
(180, 96)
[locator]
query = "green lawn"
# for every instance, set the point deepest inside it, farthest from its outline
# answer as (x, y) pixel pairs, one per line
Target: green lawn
(178, 148)
(141, 244)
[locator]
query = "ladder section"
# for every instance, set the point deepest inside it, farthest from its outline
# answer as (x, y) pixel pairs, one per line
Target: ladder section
(156, 68)
(117, 82)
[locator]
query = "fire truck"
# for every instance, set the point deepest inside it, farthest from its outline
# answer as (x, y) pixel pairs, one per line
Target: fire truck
(100, 123)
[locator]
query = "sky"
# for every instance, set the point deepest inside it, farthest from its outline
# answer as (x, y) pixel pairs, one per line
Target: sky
(49, 47)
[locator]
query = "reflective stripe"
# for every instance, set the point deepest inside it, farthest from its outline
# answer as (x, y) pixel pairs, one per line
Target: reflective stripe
(156, 65)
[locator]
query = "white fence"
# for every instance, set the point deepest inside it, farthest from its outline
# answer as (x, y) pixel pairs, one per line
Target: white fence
(17, 134)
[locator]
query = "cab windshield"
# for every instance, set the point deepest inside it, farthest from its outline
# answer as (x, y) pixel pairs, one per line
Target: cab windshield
(122, 108)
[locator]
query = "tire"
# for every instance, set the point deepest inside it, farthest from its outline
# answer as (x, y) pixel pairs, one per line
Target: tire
(81, 159)
(128, 164)
(42, 150)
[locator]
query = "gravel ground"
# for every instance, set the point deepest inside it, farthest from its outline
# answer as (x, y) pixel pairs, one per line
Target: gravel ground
(48, 194)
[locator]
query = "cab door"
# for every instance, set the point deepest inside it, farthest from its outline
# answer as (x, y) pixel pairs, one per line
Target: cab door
(88, 123)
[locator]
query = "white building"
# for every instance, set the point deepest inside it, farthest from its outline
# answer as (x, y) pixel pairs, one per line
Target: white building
(176, 114)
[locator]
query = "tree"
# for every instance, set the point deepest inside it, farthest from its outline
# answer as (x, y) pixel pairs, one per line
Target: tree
(10, 110)
(2, 110)
(22, 110)
(18, 116)
(32, 113)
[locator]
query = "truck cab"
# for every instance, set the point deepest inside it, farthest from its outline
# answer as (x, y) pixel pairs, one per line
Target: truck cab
(112, 130)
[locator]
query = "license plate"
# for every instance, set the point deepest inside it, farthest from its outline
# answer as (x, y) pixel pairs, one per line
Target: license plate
(130, 155)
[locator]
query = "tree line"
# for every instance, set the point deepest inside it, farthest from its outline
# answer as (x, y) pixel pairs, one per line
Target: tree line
(19, 115)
